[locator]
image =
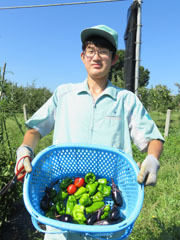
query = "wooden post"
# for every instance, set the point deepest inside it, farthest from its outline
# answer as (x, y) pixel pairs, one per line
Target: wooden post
(168, 116)
(25, 112)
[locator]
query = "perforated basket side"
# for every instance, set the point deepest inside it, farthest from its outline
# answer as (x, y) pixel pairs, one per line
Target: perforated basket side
(56, 162)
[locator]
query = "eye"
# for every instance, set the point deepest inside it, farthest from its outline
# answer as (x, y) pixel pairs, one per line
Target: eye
(103, 52)
(90, 51)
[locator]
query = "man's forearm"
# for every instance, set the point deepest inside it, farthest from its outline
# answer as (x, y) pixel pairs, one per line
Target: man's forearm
(31, 138)
(155, 148)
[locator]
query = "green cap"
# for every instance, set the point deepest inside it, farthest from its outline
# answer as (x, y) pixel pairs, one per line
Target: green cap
(102, 31)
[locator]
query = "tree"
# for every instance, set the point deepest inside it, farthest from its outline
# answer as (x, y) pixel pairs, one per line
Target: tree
(160, 99)
(143, 77)
(177, 97)
(116, 74)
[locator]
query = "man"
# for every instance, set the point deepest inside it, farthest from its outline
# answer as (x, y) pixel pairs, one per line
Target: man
(96, 112)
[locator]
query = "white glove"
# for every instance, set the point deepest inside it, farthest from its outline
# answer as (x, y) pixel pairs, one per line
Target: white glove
(24, 156)
(148, 171)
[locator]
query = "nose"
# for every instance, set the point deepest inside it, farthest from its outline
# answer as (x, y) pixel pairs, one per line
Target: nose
(96, 55)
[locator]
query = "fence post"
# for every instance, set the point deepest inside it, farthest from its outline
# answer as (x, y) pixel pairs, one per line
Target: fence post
(25, 112)
(168, 116)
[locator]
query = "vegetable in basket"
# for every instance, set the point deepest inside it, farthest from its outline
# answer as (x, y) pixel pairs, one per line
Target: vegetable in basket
(47, 199)
(50, 192)
(114, 213)
(85, 200)
(78, 214)
(116, 194)
(65, 218)
(84, 206)
(79, 182)
(106, 211)
(92, 188)
(61, 195)
(94, 217)
(50, 214)
(90, 177)
(45, 203)
(102, 181)
(105, 190)
(107, 222)
(71, 189)
(60, 208)
(71, 202)
(97, 197)
(80, 192)
(65, 183)
(94, 207)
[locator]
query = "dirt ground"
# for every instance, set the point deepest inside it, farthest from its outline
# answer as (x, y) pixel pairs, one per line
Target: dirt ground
(19, 226)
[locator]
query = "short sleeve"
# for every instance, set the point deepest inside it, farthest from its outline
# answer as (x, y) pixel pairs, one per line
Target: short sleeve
(142, 128)
(43, 120)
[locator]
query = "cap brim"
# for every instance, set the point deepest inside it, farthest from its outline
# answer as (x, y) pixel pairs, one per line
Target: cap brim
(86, 33)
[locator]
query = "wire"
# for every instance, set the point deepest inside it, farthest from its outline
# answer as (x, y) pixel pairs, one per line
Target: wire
(58, 4)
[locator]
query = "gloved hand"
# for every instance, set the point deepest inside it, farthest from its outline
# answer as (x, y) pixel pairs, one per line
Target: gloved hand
(24, 156)
(148, 171)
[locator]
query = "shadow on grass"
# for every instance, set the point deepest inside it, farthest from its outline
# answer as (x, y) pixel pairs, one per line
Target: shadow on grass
(170, 233)
(19, 226)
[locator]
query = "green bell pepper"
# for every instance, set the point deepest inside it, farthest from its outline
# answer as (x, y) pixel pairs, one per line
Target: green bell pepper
(53, 207)
(90, 178)
(106, 211)
(78, 214)
(50, 214)
(60, 207)
(92, 188)
(80, 192)
(71, 202)
(97, 197)
(94, 207)
(102, 181)
(85, 200)
(51, 192)
(105, 190)
(65, 183)
(62, 195)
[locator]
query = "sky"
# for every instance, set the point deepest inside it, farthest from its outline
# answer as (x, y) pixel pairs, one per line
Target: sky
(43, 46)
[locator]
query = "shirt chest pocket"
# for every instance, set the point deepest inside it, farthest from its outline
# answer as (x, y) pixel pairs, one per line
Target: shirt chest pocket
(113, 115)
(112, 121)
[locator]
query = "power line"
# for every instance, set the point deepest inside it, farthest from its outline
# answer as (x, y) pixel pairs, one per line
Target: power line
(58, 4)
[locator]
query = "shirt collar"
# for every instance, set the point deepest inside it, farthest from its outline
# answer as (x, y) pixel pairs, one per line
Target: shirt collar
(110, 89)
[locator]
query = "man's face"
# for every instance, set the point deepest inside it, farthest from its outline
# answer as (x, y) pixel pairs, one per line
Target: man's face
(97, 61)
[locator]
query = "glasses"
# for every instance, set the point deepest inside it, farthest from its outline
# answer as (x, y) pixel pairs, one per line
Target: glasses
(104, 53)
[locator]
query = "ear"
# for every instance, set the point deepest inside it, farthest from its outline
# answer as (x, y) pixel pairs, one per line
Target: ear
(115, 60)
(82, 57)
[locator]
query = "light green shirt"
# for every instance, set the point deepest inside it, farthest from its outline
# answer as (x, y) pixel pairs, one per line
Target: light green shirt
(114, 119)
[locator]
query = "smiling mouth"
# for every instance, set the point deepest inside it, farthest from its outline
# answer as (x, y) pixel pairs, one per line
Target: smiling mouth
(96, 65)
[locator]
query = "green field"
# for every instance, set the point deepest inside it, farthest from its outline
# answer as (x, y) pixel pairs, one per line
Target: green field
(160, 215)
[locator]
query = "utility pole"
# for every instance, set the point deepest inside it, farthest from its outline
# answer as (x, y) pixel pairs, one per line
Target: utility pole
(138, 46)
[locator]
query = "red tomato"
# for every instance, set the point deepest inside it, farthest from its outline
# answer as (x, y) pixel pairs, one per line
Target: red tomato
(79, 182)
(71, 189)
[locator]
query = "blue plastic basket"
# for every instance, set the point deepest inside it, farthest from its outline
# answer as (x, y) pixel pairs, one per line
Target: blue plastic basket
(72, 160)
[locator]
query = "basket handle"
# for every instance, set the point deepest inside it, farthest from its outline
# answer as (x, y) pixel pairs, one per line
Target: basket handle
(125, 235)
(35, 224)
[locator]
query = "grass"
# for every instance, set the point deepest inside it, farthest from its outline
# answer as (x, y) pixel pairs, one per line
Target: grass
(160, 215)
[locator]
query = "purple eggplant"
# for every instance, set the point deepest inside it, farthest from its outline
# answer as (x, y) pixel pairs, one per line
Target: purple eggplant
(103, 222)
(116, 195)
(45, 203)
(94, 217)
(116, 221)
(108, 221)
(114, 213)
(65, 218)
